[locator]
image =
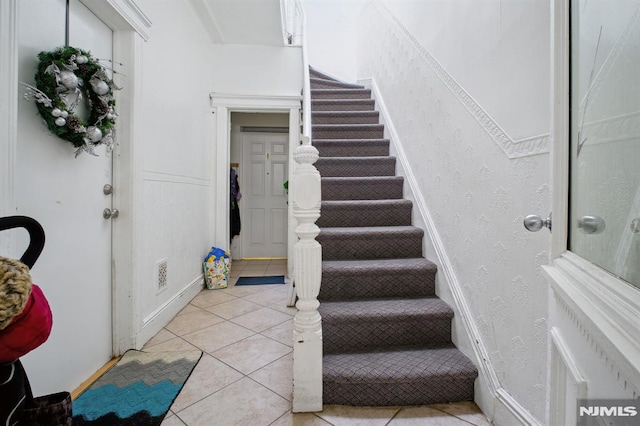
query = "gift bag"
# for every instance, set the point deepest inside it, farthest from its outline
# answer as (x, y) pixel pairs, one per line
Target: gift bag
(217, 265)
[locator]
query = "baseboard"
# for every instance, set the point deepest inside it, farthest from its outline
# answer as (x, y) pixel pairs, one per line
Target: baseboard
(159, 318)
(500, 405)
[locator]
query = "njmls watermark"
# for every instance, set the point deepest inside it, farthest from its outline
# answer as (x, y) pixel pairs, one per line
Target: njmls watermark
(608, 412)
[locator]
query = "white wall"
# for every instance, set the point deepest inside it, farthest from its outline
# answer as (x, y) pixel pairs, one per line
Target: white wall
(332, 36)
(466, 86)
(257, 70)
(177, 137)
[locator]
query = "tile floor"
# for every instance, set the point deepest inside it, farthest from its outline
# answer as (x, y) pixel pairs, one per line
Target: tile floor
(244, 376)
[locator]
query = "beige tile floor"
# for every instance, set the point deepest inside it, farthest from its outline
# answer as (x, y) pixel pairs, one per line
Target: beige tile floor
(244, 376)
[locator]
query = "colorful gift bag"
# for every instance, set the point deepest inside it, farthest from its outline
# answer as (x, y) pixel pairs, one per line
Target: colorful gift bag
(217, 265)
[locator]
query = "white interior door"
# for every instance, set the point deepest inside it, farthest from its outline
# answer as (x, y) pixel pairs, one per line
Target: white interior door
(66, 195)
(594, 302)
(264, 198)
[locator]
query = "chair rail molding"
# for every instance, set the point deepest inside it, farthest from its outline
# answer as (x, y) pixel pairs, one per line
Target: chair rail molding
(535, 145)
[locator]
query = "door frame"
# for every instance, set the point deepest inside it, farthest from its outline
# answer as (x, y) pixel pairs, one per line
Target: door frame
(243, 241)
(224, 104)
(603, 309)
(129, 25)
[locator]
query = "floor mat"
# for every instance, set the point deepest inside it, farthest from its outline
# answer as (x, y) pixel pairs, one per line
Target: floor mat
(273, 279)
(138, 390)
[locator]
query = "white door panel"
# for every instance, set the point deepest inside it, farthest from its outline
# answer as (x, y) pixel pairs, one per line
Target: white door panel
(66, 195)
(594, 298)
(264, 200)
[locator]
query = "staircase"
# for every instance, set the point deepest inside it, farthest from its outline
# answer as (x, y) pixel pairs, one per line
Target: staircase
(386, 335)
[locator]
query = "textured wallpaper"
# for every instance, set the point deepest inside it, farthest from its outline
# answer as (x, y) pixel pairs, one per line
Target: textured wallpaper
(477, 184)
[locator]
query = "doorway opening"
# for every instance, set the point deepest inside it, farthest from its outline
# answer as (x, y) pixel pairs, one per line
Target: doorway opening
(259, 156)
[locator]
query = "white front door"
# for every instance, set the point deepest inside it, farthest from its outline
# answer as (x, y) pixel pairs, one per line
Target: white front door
(264, 197)
(595, 275)
(65, 194)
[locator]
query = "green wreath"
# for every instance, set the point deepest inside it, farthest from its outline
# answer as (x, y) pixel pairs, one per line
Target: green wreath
(64, 77)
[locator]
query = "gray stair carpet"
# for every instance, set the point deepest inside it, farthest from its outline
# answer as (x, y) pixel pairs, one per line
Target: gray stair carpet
(386, 335)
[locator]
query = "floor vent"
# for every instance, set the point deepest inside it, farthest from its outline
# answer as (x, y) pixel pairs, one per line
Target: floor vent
(161, 274)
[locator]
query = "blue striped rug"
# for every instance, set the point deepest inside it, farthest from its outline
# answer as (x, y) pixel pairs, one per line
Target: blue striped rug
(138, 390)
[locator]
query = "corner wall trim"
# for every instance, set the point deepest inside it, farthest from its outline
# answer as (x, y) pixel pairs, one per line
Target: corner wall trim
(481, 354)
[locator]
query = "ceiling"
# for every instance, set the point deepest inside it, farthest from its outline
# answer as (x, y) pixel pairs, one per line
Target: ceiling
(242, 21)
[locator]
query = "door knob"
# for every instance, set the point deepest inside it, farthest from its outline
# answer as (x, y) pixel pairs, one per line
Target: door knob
(110, 214)
(591, 224)
(534, 223)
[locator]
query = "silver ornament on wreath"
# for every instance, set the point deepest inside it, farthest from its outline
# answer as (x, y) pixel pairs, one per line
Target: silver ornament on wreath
(94, 134)
(100, 87)
(69, 80)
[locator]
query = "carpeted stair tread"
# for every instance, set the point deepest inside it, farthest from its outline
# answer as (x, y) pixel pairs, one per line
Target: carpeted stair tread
(392, 309)
(315, 73)
(362, 188)
(345, 117)
(365, 213)
(324, 83)
(352, 147)
(383, 323)
(342, 105)
(348, 131)
(379, 242)
(356, 166)
(386, 335)
(340, 94)
(399, 376)
(353, 279)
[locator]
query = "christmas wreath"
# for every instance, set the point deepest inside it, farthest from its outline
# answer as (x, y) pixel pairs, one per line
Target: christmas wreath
(64, 77)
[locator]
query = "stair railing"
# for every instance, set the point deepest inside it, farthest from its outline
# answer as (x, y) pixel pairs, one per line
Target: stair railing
(307, 259)
(306, 88)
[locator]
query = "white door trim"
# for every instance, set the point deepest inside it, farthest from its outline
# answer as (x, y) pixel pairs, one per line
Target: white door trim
(602, 309)
(8, 116)
(225, 104)
(128, 23)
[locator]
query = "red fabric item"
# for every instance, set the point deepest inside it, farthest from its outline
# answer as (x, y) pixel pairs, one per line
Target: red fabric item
(28, 330)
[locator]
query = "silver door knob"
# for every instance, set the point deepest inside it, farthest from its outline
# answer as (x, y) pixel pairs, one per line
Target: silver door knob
(110, 214)
(591, 224)
(534, 223)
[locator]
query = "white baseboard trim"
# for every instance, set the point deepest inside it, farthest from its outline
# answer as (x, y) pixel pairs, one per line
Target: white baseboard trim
(490, 381)
(159, 318)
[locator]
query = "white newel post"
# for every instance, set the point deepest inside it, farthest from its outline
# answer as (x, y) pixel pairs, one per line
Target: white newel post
(307, 325)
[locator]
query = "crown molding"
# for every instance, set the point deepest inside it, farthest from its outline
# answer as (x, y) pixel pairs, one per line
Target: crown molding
(121, 15)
